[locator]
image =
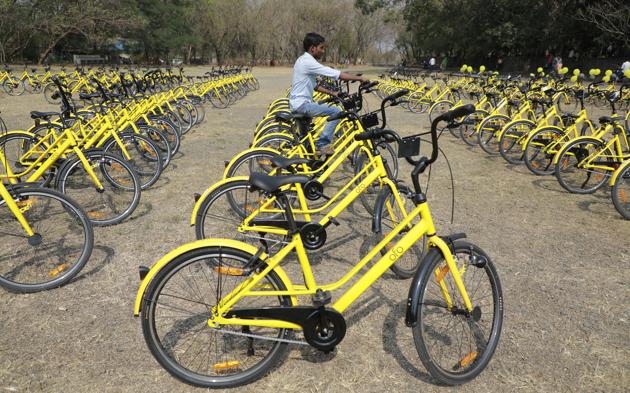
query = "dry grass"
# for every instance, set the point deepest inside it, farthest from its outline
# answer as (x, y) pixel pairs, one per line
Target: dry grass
(563, 260)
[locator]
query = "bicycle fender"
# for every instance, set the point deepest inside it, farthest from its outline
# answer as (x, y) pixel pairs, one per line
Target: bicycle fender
(579, 138)
(247, 151)
(55, 123)
(519, 121)
(613, 178)
(203, 196)
(414, 290)
(285, 134)
(228, 243)
(554, 128)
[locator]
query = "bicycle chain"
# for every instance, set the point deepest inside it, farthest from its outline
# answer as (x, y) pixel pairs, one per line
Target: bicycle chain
(282, 340)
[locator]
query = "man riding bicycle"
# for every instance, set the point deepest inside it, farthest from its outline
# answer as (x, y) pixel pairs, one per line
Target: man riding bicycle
(304, 83)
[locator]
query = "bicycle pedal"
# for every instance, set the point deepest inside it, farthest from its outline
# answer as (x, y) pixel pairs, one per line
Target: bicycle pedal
(196, 196)
(333, 220)
(321, 298)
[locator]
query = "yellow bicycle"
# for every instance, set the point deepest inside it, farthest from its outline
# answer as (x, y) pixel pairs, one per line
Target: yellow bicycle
(220, 313)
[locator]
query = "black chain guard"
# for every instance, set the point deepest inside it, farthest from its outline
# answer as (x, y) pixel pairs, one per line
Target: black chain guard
(313, 190)
(324, 329)
(313, 235)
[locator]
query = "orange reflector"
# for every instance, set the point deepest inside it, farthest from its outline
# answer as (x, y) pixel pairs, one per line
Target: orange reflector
(565, 163)
(535, 165)
(117, 167)
(250, 208)
(55, 272)
(96, 214)
(229, 271)
(226, 365)
(623, 196)
(26, 203)
(440, 275)
(264, 162)
(468, 359)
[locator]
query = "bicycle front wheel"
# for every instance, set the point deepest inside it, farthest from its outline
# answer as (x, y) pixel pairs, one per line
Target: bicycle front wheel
(60, 247)
(455, 345)
(175, 313)
(621, 193)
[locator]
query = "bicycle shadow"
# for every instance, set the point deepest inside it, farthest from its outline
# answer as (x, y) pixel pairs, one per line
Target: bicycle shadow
(102, 260)
(392, 347)
(142, 210)
(549, 183)
(160, 183)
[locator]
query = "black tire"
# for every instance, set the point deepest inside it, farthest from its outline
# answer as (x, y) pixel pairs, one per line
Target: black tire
(488, 133)
(218, 99)
(390, 159)
(161, 141)
(621, 192)
(49, 90)
(439, 108)
(512, 139)
(281, 143)
(468, 127)
(451, 327)
(185, 117)
(391, 215)
(251, 162)
(223, 210)
(14, 146)
(15, 88)
(60, 248)
(273, 128)
(184, 292)
(169, 129)
(119, 180)
(570, 170)
(145, 156)
(540, 150)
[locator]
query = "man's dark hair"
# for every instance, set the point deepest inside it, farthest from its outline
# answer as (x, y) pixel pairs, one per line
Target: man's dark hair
(312, 39)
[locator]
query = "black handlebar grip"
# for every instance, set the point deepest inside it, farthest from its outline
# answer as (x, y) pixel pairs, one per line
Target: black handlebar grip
(364, 136)
(460, 111)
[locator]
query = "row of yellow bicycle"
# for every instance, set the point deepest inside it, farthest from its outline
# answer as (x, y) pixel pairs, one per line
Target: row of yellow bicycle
(85, 166)
(549, 125)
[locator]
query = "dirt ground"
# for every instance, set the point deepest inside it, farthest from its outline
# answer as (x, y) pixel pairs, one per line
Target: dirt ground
(563, 261)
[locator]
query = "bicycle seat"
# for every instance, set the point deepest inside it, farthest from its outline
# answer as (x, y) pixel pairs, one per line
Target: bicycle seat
(85, 96)
(607, 119)
(43, 115)
(273, 183)
(283, 163)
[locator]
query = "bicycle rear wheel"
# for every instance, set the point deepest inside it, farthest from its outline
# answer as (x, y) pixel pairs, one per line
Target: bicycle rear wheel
(175, 313)
(121, 188)
(581, 166)
(454, 345)
(621, 193)
(61, 246)
(145, 157)
(225, 208)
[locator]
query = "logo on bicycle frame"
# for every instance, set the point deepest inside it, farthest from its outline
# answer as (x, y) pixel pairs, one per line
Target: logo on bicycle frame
(395, 253)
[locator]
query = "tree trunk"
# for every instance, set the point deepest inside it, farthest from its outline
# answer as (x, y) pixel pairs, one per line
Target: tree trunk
(188, 54)
(50, 47)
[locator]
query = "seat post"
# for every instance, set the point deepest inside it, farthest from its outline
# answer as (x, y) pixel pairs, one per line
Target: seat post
(284, 202)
